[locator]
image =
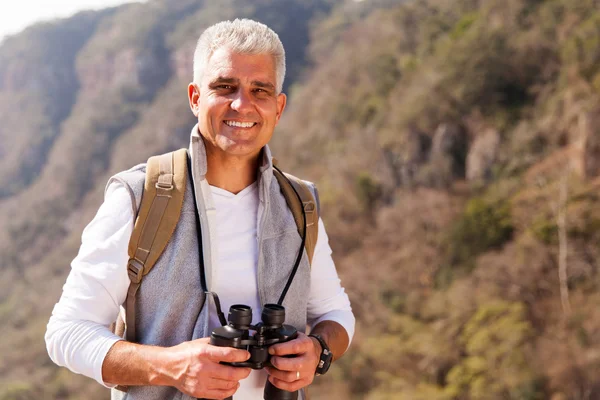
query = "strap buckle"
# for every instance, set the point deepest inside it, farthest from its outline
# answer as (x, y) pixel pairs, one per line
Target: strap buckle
(135, 270)
(309, 206)
(164, 186)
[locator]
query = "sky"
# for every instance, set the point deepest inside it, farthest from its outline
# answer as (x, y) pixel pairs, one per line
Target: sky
(16, 15)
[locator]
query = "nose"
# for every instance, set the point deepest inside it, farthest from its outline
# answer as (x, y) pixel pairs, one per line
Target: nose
(241, 102)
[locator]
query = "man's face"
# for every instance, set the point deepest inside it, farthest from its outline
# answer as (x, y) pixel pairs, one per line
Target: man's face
(236, 103)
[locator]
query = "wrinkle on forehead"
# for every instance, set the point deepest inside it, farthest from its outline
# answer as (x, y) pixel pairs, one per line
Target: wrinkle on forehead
(244, 67)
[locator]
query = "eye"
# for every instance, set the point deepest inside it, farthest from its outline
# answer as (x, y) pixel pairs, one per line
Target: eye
(261, 91)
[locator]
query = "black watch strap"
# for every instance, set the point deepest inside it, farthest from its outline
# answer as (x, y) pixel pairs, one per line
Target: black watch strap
(325, 358)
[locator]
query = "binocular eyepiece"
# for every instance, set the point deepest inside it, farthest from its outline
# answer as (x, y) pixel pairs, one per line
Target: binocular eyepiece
(240, 316)
(270, 331)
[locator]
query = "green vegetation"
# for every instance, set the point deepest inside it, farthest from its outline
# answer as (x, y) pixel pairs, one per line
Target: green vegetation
(482, 227)
(463, 25)
(16, 391)
(545, 230)
(368, 190)
(495, 364)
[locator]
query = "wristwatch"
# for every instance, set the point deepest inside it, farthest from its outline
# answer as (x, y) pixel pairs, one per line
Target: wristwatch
(325, 358)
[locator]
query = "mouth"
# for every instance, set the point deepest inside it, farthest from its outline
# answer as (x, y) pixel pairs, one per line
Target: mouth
(239, 124)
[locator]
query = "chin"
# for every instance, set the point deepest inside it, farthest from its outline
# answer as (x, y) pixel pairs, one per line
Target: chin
(240, 148)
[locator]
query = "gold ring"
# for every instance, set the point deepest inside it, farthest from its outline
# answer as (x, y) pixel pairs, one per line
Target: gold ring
(297, 375)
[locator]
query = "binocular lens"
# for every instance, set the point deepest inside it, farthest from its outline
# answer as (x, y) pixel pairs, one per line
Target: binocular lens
(240, 315)
(273, 314)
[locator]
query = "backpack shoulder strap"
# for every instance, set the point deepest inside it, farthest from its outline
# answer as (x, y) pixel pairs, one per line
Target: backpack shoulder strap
(160, 209)
(289, 188)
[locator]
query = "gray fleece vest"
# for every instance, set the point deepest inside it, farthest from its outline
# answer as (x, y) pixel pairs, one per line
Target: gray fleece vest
(170, 304)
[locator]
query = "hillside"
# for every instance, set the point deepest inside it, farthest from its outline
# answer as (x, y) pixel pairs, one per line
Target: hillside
(458, 166)
(455, 145)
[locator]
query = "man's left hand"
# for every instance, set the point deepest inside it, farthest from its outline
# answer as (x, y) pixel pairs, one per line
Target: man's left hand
(294, 373)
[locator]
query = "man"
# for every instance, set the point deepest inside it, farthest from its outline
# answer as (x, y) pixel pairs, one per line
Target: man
(249, 243)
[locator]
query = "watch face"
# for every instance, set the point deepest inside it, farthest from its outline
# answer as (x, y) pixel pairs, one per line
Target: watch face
(325, 362)
(326, 357)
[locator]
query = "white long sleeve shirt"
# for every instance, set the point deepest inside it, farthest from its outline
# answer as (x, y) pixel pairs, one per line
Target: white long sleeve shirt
(77, 335)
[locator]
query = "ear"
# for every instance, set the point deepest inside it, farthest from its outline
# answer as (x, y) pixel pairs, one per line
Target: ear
(281, 101)
(194, 97)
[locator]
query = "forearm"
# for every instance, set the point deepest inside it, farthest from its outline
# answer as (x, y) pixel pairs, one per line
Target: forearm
(192, 367)
(335, 336)
(131, 364)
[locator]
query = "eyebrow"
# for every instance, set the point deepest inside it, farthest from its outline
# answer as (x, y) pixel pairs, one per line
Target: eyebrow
(261, 84)
(222, 79)
(264, 85)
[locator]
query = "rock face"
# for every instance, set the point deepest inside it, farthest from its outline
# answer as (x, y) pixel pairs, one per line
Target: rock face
(182, 60)
(449, 149)
(482, 155)
(404, 163)
(14, 76)
(589, 143)
(116, 70)
(147, 68)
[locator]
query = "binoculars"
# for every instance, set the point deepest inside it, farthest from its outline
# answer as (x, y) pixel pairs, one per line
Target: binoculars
(270, 331)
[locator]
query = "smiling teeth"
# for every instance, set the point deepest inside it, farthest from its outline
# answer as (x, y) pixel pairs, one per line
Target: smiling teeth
(240, 124)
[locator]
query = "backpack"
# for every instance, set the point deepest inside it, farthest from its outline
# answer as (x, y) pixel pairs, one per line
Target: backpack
(160, 209)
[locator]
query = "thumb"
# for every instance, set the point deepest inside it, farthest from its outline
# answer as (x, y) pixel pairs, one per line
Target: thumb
(227, 354)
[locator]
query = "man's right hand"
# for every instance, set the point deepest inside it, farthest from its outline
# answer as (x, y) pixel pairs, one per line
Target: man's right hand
(197, 370)
(191, 367)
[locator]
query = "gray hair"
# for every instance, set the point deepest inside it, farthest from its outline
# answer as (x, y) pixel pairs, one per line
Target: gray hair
(242, 36)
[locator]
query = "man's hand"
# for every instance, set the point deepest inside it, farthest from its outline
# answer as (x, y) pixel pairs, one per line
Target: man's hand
(294, 373)
(199, 374)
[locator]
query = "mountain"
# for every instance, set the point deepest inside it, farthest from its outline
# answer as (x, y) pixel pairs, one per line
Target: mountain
(455, 146)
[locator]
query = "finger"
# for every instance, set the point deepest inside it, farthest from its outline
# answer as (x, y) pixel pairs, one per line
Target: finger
(227, 354)
(286, 376)
(227, 373)
(299, 363)
(297, 346)
(220, 384)
(218, 394)
(290, 387)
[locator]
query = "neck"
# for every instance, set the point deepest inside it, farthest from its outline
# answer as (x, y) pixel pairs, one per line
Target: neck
(230, 173)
